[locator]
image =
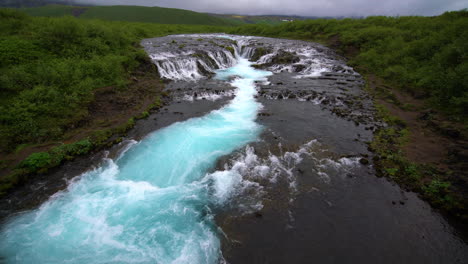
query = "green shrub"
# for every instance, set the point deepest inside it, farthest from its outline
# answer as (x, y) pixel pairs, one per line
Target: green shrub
(99, 137)
(438, 192)
(37, 161)
(142, 115)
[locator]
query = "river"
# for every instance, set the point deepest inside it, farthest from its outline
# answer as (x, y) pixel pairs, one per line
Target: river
(272, 176)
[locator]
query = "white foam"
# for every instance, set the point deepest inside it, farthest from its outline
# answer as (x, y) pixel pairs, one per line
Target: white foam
(314, 62)
(183, 66)
(245, 174)
(210, 96)
(179, 69)
(225, 183)
(169, 55)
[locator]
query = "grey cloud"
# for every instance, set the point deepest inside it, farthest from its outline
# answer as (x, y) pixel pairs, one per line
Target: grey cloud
(303, 7)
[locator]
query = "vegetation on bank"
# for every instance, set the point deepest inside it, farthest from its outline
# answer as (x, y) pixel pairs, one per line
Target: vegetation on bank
(42, 162)
(433, 184)
(141, 14)
(49, 71)
(425, 56)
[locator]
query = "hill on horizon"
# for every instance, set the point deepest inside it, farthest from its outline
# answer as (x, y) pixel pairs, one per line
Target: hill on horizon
(143, 14)
(260, 19)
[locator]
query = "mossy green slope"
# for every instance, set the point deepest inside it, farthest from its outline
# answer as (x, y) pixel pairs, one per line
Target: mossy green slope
(143, 14)
(51, 10)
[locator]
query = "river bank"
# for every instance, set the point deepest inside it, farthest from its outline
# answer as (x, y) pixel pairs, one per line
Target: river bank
(422, 149)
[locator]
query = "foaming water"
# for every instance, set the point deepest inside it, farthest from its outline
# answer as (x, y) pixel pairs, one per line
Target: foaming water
(185, 66)
(153, 203)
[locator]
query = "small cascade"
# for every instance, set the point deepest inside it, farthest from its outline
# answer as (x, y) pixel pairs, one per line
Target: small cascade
(266, 58)
(194, 62)
(195, 66)
(223, 59)
(247, 52)
(244, 49)
(180, 69)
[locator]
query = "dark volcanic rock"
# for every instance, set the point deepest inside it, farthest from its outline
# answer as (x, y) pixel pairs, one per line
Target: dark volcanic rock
(259, 52)
(364, 161)
(298, 67)
(285, 57)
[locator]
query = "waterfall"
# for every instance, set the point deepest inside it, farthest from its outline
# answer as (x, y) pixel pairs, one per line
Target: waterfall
(180, 69)
(198, 63)
(194, 65)
(247, 52)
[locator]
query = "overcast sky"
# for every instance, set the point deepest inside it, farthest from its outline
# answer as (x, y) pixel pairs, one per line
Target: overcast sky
(303, 7)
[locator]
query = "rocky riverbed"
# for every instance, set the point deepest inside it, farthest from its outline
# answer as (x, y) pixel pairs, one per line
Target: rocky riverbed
(309, 191)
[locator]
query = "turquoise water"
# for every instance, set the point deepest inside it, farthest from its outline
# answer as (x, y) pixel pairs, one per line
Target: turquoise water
(151, 205)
